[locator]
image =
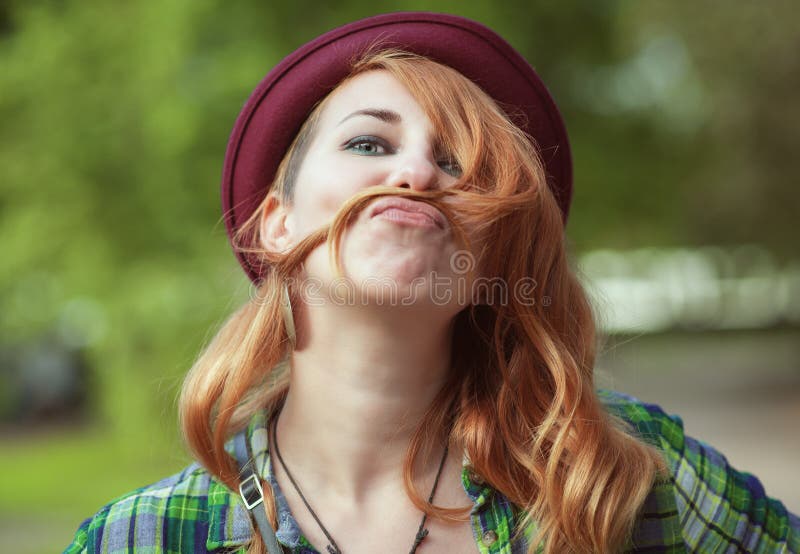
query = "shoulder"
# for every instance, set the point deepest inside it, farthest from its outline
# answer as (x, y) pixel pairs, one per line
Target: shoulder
(719, 507)
(175, 514)
(648, 421)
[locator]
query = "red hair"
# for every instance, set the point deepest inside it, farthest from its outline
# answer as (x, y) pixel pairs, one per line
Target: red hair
(520, 398)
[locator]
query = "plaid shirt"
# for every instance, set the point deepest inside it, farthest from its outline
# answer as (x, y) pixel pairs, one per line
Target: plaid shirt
(704, 506)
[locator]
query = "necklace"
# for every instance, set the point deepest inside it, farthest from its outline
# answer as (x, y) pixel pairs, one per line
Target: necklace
(332, 547)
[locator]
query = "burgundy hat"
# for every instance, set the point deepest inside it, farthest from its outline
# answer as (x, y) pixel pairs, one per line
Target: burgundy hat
(282, 101)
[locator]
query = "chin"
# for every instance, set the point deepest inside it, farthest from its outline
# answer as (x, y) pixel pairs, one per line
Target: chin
(388, 277)
(406, 286)
(401, 271)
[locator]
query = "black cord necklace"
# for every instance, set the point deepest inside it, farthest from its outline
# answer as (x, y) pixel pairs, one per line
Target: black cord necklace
(332, 547)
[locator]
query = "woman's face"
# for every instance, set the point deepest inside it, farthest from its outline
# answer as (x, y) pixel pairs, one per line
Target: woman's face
(373, 132)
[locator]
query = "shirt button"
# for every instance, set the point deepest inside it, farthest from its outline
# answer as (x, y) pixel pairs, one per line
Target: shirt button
(489, 538)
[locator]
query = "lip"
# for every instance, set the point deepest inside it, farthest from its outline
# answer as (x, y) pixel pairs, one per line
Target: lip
(409, 206)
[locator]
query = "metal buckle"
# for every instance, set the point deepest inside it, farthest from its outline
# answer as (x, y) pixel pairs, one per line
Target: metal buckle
(257, 485)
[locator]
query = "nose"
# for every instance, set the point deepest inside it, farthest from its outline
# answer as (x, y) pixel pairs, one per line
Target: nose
(414, 171)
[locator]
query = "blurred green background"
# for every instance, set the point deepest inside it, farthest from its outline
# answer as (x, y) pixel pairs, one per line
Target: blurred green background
(114, 117)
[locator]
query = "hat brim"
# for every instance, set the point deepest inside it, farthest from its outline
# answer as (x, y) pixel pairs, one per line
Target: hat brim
(283, 100)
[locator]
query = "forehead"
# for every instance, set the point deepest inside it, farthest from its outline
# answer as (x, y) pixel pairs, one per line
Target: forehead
(372, 89)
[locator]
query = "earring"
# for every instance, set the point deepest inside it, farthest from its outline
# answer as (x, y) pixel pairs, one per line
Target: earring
(288, 316)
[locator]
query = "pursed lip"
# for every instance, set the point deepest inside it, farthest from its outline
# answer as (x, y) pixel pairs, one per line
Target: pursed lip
(413, 206)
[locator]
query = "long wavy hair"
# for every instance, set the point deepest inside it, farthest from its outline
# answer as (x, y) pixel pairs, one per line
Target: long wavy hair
(520, 399)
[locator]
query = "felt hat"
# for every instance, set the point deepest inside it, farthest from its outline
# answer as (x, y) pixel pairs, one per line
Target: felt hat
(280, 104)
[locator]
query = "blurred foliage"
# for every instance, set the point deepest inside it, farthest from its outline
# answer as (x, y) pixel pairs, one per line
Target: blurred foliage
(115, 117)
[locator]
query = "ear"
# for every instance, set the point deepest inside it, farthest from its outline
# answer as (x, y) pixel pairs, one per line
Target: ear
(276, 226)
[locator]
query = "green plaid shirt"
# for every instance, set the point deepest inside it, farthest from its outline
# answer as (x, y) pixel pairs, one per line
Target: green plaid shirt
(704, 506)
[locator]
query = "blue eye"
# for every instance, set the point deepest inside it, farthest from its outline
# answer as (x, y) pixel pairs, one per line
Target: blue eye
(451, 167)
(367, 145)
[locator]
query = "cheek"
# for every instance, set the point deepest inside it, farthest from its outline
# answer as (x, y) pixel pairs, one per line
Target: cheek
(316, 201)
(321, 190)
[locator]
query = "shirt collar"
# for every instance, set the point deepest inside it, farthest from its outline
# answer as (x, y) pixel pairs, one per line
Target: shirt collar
(229, 522)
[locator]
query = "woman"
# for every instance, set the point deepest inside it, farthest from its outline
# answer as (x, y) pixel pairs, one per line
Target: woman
(418, 356)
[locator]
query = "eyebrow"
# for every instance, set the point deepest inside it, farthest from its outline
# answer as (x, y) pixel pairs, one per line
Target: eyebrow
(387, 116)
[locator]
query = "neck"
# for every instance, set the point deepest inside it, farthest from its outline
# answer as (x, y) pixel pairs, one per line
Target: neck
(360, 385)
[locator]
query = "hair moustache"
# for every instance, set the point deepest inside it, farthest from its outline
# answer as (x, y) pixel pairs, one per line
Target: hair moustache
(474, 210)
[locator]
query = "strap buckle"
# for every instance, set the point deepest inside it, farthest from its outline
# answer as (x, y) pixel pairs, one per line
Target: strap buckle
(251, 491)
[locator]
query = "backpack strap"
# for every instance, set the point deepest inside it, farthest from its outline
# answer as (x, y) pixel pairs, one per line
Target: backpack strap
(252, 493)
